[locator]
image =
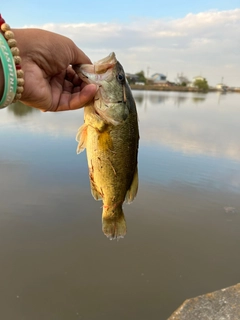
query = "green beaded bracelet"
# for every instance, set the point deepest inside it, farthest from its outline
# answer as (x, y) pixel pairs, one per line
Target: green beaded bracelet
(9, 71)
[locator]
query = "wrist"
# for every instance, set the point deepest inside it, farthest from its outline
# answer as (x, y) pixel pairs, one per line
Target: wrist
(11, 76)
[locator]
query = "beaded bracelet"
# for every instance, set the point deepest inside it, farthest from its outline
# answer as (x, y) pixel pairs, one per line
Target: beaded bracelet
(9, 72)
(13, 74)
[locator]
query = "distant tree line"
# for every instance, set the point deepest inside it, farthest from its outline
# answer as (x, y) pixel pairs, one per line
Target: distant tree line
(201, 84)
(138, 77)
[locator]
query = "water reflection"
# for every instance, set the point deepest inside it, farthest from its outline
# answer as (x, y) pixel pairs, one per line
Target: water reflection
(200, 126)
(139, 98)
(196, 100)
(178, 98)
(20, 110)
(196, 128)
(183, 227)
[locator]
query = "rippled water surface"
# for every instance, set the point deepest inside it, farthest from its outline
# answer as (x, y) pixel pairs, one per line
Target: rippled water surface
(183, 228)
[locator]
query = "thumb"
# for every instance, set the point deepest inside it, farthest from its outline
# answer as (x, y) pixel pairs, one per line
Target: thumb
(78, 56)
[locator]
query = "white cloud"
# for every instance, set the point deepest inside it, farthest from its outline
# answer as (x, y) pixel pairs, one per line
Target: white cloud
(206, 43)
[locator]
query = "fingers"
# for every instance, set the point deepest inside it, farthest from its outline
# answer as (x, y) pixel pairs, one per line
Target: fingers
(69, 92)
(72, 77)
(76, 100)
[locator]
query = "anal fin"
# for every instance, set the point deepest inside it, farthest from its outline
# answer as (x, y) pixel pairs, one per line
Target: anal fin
(132, 192)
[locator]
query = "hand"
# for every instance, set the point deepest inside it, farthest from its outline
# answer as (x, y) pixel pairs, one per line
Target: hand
(50, 82)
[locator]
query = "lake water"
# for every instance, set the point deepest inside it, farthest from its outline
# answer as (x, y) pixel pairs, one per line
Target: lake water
(183, 228)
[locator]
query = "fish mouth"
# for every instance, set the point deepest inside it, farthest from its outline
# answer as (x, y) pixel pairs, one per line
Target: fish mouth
(99, 71)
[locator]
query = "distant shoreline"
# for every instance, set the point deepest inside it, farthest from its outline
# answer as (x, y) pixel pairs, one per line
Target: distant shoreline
(173, 88)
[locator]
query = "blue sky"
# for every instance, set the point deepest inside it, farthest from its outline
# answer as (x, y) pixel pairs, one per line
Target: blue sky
(29, 12)
(189, 37)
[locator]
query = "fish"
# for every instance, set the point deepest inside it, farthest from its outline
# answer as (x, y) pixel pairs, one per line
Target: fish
(110, 135)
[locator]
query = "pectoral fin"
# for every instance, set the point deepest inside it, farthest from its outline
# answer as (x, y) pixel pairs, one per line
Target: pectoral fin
(132, 192)
(94, 120)
(105, 141)
(81, 138)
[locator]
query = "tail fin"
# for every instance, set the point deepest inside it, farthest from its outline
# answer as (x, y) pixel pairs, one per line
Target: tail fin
(113, 223)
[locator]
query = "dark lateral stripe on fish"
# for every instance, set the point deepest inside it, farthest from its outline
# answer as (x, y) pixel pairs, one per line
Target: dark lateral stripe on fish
(115, 102)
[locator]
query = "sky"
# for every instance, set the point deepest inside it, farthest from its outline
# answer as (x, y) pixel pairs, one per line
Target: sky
(193, 38)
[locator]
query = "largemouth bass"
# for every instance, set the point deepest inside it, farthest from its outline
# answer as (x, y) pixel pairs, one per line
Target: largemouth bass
(110, 135)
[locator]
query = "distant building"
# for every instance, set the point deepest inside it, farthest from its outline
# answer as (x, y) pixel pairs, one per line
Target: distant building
(181, 79)
(198, 78)
(221, 87)
(158, 78)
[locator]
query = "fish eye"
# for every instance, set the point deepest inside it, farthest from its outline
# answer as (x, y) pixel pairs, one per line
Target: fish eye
(120, 77)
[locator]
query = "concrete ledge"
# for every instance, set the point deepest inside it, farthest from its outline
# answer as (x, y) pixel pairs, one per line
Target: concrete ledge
(223, 304)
